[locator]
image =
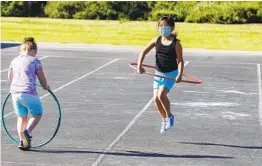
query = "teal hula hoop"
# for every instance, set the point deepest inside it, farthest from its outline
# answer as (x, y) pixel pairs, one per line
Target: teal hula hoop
(41, 144)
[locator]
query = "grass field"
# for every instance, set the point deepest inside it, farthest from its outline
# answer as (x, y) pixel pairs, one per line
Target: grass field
(209, 36)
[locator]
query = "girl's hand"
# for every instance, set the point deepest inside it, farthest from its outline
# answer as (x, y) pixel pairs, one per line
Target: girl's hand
(178, 79)
(47, 87)
(140, 70)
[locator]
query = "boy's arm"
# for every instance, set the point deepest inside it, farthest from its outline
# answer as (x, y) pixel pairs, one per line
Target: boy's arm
(180, 61)
(143, 53)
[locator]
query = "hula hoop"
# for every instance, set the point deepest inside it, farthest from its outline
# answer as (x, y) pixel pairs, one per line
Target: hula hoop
(195, 80)
(41, 144)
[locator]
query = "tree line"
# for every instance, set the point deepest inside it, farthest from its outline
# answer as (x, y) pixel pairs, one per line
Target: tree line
(197, 12)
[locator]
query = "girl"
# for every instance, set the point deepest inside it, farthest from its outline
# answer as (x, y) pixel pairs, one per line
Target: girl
(169, 63)
(22, 74)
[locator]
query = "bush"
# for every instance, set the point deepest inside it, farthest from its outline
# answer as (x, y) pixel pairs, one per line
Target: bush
(22, 9)
(63, 9)
(130, 10)
(259, 14)
(96, 10)
(225, 13)
(199, 12)
(178, 10)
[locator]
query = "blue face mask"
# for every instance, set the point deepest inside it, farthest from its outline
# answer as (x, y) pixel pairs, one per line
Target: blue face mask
(165, 30)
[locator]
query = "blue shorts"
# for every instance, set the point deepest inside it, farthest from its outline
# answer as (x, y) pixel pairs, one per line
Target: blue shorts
(168, 84)
(23, 102)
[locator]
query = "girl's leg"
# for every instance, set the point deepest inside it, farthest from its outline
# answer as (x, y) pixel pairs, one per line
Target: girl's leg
(34, 105)
(21, 126)
(162, 96)
(158, 104)
(21, 112)
(161, 110)
(164, 88)
(24, 143)
(32, 122)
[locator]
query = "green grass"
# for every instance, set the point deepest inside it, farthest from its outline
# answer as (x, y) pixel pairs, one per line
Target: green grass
(209, 36)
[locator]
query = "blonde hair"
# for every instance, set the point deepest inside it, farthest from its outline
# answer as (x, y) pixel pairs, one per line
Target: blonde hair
(28, 44)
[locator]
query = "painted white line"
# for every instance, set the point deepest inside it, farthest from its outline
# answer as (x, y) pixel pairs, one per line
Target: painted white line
(234, 115)
(186, 63)
(38, 58)
(260, 94)
(82, 57)
(43, 57)
(38, 164)
(71, 82)
(10, 113)
(81, 77)
(232, 91)
(206, 104)
(202, 63)
(4, 70)
(133, 121)
(121, 78)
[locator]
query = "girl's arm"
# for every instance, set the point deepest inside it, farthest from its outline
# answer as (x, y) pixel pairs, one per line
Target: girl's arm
(10, 74)
(180, 61)
(42, 79)
(143, 53)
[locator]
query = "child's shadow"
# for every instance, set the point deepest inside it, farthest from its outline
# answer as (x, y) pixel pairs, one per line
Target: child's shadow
(131, 154)
(222, 145)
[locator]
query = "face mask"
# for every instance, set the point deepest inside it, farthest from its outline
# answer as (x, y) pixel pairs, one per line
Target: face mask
(165, 30)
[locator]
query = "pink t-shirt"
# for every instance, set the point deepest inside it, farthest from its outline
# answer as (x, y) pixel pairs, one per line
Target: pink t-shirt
(24, 69)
